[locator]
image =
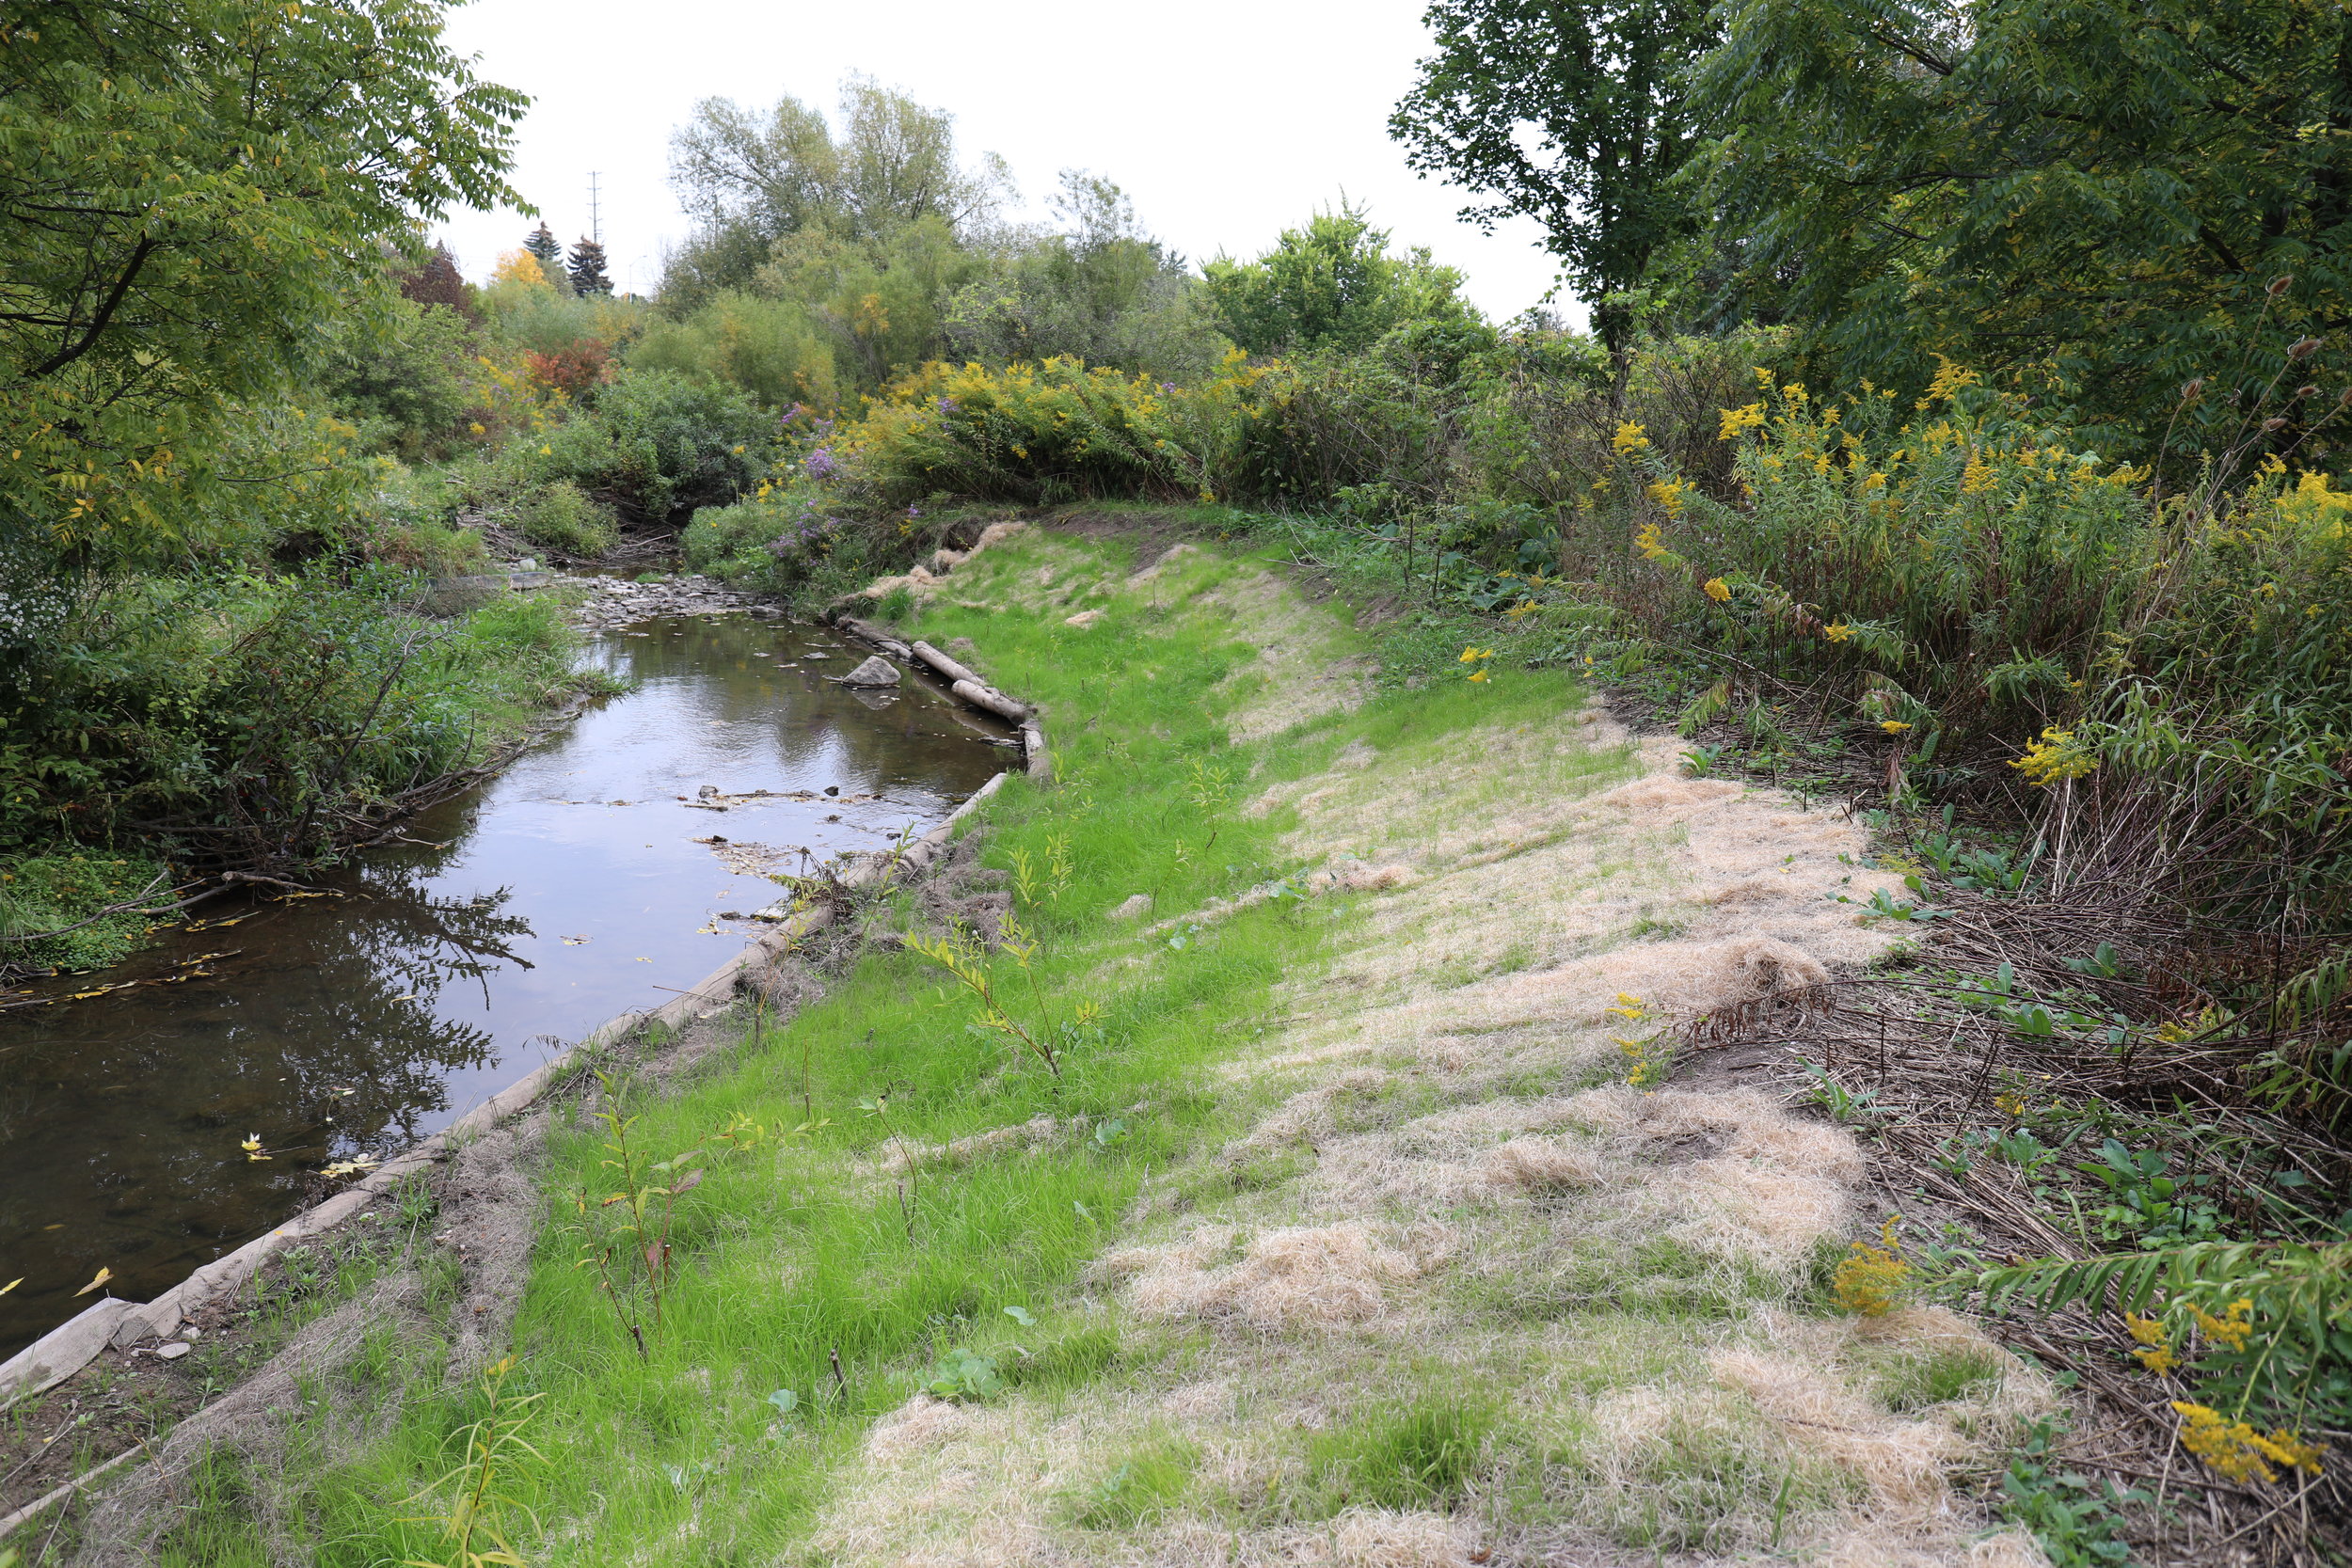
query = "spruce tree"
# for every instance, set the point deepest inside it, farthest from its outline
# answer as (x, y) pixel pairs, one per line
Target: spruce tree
(543, 244)
(588, 268)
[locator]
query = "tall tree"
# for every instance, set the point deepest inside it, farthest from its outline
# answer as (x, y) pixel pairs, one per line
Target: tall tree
(187, 187)
(2096, 198)
(749, 179)
(543, 244)
(587, 269)
(1569, 111)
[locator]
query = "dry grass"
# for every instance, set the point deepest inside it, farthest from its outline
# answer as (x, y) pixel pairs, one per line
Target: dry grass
(1445, 1185)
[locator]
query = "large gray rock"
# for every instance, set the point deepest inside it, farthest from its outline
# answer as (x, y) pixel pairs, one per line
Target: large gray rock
(874, 671)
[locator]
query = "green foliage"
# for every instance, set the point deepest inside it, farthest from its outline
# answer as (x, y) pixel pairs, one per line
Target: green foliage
(2088, 196)
(1572, 115)
(1331, 285)
(1139, 1488)
(658, 442)
(561, 517)
(244, 718)
(2284, 1359)
(407, 383)
(56, 893)
(1103, 294)
(182, 217)
(1420, 1456)
(2077, 1520)
(748, 179)
(771, 348)
(962, 1374)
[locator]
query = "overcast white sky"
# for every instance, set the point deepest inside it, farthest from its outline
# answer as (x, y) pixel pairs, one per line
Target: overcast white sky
(1226, 120)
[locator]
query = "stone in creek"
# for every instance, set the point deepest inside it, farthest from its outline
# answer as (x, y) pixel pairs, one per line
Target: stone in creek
(874, 671)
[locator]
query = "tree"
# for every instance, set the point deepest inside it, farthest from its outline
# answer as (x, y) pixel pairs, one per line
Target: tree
(2090, 199)
(521, 266)
(438, 282)
(545, 248)
(1331, 285)
(750, 179)
(587, 270)
(187, 188)
(1569, 111)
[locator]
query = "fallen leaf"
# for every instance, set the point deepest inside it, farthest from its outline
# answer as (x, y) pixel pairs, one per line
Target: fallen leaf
(104, 1275)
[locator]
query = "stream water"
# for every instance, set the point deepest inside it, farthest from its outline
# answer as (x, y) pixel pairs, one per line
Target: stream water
(572, 888)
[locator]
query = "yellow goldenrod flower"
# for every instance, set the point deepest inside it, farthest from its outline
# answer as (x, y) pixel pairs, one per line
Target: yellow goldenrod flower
(1716, 591)
(1949, 380)
(1837, 631)
(1668, 494)
(1472, 655)
(1647, 541)
(1870, 1280)
(2236, 1449)
(2156, 1351)
(1739, 419)
(1893, 726)
(2053, 759)
(2230, 1329)
(1630, 439)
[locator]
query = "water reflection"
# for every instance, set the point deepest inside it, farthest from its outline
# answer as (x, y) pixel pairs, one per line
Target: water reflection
(566, 891)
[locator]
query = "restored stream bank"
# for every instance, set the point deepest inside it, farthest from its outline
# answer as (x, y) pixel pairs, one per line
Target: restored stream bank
(600, 869)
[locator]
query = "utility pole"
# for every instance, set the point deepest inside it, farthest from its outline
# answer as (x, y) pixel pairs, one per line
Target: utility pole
(596, 228)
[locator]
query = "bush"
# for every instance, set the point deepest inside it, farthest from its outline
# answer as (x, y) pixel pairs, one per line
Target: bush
(1051, 432)
(561, 517)
(765, 347)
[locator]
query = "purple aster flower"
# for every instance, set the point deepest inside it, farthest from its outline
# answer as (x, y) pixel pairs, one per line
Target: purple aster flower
(947, 405)
(820, 463)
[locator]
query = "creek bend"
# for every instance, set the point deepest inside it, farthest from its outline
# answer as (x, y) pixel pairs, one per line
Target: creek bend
(570, 889)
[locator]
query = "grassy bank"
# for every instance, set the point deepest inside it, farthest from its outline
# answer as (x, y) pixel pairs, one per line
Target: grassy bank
(249, 724)
(1349, 1220)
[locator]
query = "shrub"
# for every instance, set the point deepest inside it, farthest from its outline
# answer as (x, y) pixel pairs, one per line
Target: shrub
(1050, 432)
(561, 517)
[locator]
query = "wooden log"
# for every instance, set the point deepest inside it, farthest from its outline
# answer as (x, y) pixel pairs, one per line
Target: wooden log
(1040, 761)
(946, 666)
(879, 636)
(991, 699)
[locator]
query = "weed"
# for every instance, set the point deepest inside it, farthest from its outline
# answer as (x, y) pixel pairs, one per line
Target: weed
(963, 1375)
(1939, 1377)
(1143, 1486)
(1044, 1039)
(1420, 1456)
(2076, 1521)
(475, 1515)
(1872, 1279)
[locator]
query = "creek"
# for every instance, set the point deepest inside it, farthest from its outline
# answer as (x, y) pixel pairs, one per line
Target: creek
(575, 886)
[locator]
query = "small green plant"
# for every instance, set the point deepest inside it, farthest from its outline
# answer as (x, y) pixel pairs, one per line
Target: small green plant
(1211, 784)
(474, 1513)
(1044, 1039)
(1420, 1456)
(2077, 1521)
(878, 1107)
(963, 1375)
(1140, 1488)
(1842, 1104)
(629, 1230)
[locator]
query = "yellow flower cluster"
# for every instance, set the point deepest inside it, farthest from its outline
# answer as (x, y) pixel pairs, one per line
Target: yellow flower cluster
(2053, 759)
(1647, 541)
(2230, 1329)
(1716, 591)
(1669, 493)
(1630, 439)
(1949, 381)
(1476, 658)
(1737, 421)
(1871, 1281)
(2236, 1449)
(2155, 1351)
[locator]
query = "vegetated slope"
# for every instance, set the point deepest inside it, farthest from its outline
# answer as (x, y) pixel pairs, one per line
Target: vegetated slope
(1310, 1186)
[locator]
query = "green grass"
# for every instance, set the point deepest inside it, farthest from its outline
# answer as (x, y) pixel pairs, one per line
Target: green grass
(800, 1254)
